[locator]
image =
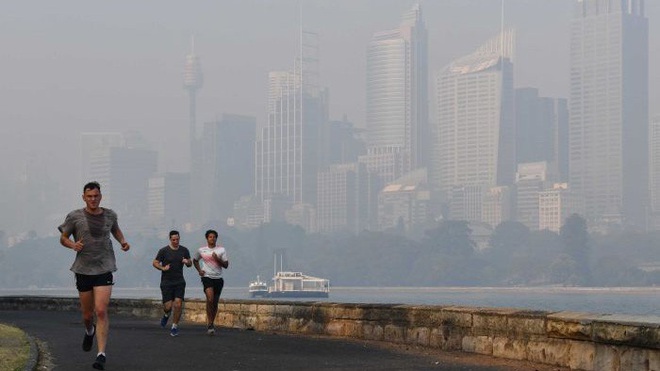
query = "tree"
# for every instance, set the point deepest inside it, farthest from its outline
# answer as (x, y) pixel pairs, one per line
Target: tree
(575, 238)
(510, 237)
(451, 237)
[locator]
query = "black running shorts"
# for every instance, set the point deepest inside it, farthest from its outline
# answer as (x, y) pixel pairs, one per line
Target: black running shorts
(86, 282)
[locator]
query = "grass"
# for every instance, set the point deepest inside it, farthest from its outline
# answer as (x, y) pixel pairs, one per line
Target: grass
(14, 348)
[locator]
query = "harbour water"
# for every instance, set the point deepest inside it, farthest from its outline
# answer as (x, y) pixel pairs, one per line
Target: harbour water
(620, 300)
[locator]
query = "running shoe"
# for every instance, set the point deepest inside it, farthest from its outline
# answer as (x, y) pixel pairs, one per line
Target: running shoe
(174, 331)
(163, 321)
(88, 340)
(210, 331)
(99, 364)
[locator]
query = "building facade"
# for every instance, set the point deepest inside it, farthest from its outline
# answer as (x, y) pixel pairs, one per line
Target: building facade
(397, 97)
(474, 140)
(609, 109)
(287, 149)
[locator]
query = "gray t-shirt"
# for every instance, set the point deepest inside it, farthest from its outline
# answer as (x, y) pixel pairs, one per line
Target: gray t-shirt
(97, 255)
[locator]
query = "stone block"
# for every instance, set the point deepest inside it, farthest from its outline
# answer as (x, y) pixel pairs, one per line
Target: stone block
(622, 329)
(483, 345)
(371, 331)
(504, 347)
(525, 326)
(469, 344)
(492, 324)
(456, 316)
(571, 325)
(418, 336)
(607, 358)
(581, 355)
(394, 334)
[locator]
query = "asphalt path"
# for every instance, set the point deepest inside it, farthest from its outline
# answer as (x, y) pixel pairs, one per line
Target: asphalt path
(141, 344)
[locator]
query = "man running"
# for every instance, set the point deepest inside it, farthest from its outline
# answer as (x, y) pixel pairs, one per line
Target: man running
(214, 259)
(170, 261)
(94, 264)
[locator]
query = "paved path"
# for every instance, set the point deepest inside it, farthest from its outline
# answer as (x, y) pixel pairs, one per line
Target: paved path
(141, 344)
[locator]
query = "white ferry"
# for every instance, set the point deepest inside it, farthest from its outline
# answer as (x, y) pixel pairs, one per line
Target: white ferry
(298, 285)
(258, 288)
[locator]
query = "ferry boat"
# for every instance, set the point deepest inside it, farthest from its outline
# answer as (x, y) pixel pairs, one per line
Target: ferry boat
(287, 284)
(298, 285)
(258, 288)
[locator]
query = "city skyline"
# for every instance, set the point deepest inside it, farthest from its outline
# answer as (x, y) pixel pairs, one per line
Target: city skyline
(165, 121)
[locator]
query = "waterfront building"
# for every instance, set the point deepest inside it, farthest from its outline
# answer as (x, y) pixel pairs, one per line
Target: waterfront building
(556, 204)
(474, 140)
(397, 97)
(609, 109)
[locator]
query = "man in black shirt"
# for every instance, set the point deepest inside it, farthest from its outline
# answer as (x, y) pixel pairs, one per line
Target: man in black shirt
(170, 261)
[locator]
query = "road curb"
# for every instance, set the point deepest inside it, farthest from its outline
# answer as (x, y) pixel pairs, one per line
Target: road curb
(33, 356)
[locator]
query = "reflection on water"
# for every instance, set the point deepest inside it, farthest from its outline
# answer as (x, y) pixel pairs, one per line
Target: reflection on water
(637, 300)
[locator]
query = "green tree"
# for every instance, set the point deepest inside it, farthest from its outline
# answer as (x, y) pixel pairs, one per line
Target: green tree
(575, 239)
(452, 237)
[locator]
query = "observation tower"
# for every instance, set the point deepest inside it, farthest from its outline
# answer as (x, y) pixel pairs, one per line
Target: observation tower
(192, 82)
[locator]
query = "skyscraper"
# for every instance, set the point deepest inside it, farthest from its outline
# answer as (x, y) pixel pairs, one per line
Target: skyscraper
(474, 141)
(397, 98)
(192, 82)
(286, 153)
(654, 173)
(226, 155)
(541, 130)
(123, 166)
(608, 106)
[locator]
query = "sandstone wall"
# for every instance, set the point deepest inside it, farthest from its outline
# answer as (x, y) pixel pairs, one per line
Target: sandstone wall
(581, 341)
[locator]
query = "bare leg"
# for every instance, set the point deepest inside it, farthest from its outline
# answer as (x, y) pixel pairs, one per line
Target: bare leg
(167, 307)
(101, 302)
(210, 307)
(177, 306)
(87, 308)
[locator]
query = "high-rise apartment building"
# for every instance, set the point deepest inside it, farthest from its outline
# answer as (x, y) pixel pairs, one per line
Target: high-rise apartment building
(286, 153)
(397, 97)
(542, 130)
(474, 140)
(168, 200)
(609, 109)
(226, 153)
(123, 171)
(347, 198)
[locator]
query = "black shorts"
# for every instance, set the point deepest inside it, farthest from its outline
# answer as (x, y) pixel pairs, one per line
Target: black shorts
(216, 283)
(85, 282)
(171, 291)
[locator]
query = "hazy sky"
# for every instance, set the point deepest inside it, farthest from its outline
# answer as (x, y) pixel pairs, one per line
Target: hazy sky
(73, 66)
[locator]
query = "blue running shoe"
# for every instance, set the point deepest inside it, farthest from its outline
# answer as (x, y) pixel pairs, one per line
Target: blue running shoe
(174, 331)
(163, 321)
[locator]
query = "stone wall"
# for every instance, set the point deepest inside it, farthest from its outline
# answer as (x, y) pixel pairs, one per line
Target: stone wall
(580, 341)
